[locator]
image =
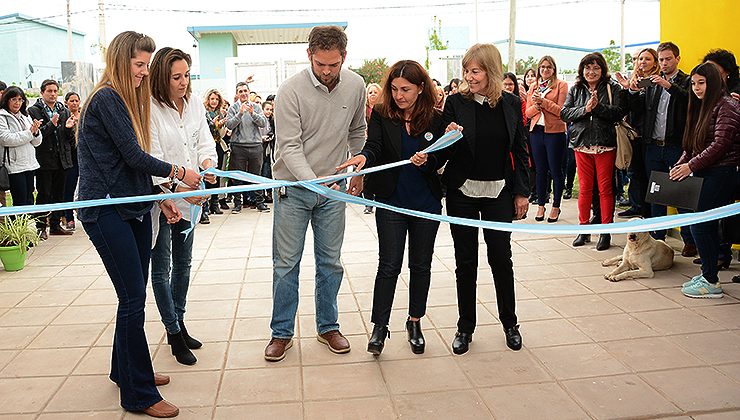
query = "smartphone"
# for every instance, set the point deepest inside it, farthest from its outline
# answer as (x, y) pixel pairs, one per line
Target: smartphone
(646, 82)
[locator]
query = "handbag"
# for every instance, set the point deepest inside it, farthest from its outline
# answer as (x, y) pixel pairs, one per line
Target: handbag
(4, 174)
(625, 136)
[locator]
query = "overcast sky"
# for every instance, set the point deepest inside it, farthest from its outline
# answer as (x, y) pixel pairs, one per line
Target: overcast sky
(391, 29)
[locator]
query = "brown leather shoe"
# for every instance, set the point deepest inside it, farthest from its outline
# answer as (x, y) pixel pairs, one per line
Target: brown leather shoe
(689, 250)
(162, 409)
(160, 379)
(275, 350)
(335, 341)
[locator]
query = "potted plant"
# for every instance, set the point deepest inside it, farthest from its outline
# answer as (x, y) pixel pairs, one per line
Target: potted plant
(17, 234)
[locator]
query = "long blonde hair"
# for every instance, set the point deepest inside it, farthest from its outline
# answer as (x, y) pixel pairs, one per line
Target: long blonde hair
(117, 75)
(489, 59)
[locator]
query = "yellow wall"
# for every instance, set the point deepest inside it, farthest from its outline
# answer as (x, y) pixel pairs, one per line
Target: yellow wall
(697, 26)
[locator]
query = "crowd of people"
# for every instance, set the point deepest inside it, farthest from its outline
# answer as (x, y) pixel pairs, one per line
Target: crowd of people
(141, 131)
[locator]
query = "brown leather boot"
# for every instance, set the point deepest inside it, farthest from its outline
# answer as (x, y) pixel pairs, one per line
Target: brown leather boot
(276, 348)
(335, 341)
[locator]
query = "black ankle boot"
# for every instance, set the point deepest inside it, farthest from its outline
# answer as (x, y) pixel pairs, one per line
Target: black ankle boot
(190, 341)
(582, 240)
(377, 339)
(604, 242)
(180, 350)
(416, 338)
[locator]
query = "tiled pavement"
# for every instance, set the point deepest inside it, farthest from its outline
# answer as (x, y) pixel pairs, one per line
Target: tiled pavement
(592, 348)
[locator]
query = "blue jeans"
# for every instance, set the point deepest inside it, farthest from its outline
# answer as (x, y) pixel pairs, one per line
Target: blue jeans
(714, 193)
(661, 159)
(171, 258)
(124, 247)
(291, 216)
(547, 152)
(392, 229)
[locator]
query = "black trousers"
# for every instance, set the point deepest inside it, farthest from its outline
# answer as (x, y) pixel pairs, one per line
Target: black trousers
(465, 240)
(248, 159)
(21, 188)
(50, 187)
(392, 229)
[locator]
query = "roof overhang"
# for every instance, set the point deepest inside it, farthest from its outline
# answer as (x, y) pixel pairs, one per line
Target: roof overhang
(282, 33)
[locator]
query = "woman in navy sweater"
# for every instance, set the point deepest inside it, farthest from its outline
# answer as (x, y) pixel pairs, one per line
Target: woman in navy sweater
(113, 141)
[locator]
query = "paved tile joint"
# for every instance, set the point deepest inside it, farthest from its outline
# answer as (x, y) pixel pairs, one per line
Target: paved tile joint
(592, 348)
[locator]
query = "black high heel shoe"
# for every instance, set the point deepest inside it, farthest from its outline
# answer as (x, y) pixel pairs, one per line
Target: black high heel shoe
(377, 339)
(415, 336)
(549, 220)
(541, 218)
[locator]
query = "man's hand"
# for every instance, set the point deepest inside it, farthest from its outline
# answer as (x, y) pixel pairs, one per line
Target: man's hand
(170, 211)
(660, 81)
(247, 107)
(55, 119)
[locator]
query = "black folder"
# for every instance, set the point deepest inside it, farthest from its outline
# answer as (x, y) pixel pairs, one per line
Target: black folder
(680, 194)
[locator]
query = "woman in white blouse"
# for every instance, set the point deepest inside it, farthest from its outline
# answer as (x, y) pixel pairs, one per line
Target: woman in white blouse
(180, 134)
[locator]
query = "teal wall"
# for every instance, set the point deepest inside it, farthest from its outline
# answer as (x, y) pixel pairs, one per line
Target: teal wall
(213, 49)
(42, 46)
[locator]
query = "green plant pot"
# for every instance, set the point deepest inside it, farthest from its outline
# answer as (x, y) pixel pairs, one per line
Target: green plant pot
(13, 257)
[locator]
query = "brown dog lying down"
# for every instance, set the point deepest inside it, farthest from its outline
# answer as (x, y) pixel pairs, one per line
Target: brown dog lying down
(641, 257)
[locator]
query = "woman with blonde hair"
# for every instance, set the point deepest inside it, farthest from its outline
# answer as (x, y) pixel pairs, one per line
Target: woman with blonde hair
(486, 179)
(374, 92)
(113, 145)
(646, 65)
(217, 124)
(545, 100)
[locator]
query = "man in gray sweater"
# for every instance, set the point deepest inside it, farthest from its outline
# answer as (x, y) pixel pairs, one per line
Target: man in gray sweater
(320, 118)
(245, 119)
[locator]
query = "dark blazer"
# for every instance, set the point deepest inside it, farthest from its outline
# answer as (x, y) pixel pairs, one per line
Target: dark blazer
(646, 103)
(459, 157)
(55, 151)
(383, 146)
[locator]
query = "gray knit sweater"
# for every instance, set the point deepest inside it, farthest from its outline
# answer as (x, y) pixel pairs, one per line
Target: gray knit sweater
(315, 128)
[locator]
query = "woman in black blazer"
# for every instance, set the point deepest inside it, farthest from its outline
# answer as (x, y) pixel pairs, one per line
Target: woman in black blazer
(486, 178)
(399, 127)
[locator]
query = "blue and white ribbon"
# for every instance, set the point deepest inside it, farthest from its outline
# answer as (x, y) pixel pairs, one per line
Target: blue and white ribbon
(318, 186)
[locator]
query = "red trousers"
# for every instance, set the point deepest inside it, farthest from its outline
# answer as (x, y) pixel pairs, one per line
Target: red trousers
(602, 165)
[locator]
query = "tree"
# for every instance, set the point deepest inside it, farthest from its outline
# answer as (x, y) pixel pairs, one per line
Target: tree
(372, 70)
(435, 40)
(611, 55)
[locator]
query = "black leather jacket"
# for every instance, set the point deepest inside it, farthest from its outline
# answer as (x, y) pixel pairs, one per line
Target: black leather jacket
(646, 102)
(595, 128)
